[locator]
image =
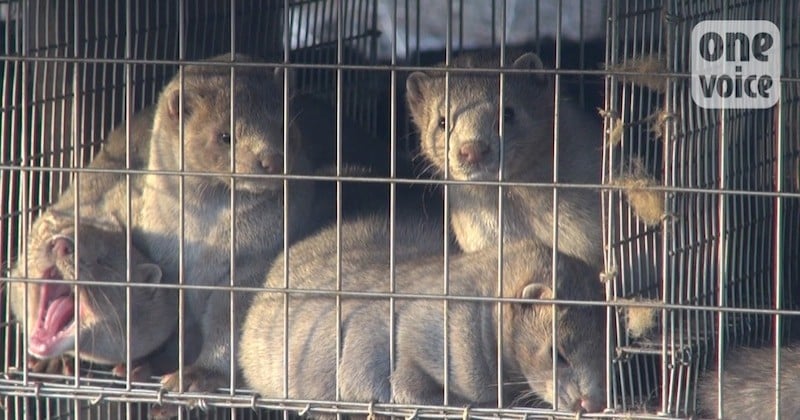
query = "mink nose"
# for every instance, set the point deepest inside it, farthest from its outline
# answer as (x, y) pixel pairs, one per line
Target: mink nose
(472, 152)
(61, 246)
(272, 163)
(588, 405)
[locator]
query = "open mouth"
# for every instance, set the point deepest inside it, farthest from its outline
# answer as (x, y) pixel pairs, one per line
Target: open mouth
(53, 333)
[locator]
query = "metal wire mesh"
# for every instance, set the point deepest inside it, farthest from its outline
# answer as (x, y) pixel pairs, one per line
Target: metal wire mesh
(710, 248)
(74, 70)
(722, 236)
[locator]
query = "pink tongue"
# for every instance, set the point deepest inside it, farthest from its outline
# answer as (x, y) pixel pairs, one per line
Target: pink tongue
(55, 313)
(59, 314)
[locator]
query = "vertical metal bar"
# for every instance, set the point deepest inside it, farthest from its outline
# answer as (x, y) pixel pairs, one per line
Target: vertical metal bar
(24, 193)
(667, 232)
(98, 123)
(445, 280)
(780, 187)
(339, 81)
(8, 105)
(722, 272)
(666, 282)
(500, 195)
(47, 159)
(392, 191)
(556, 133)
(286, 96)
(128, 112)
(181, 197)
(608, 221)
(76, 163)
(232, 239)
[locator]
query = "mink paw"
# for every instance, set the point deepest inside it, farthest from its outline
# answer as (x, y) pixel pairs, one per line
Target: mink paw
(195, 379)
(140, 372)
(61, 365)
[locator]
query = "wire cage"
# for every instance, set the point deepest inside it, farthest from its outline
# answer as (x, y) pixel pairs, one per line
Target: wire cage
(718, 235)
(72, 71)
(701, 208)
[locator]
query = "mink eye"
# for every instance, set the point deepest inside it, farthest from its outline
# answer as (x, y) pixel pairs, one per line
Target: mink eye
(442, 123)
(560, 357)
(224, 138)
(508, 115)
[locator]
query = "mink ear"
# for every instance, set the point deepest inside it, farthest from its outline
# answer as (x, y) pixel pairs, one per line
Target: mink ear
(415, 87)
(537, 291)
(173, 103)
(531, 61)
(416, 84)
(151, 272)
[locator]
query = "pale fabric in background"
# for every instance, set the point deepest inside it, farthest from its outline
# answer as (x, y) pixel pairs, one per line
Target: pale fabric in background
(429, 20)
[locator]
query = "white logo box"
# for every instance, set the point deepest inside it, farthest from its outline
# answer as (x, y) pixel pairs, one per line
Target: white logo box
(736, 64)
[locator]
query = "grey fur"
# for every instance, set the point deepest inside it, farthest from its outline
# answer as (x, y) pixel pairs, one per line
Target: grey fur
(102, 202)
(749, 385)
(258, 218)
(527, 152)
(103, 196)
(364, 367)
(102, 335)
